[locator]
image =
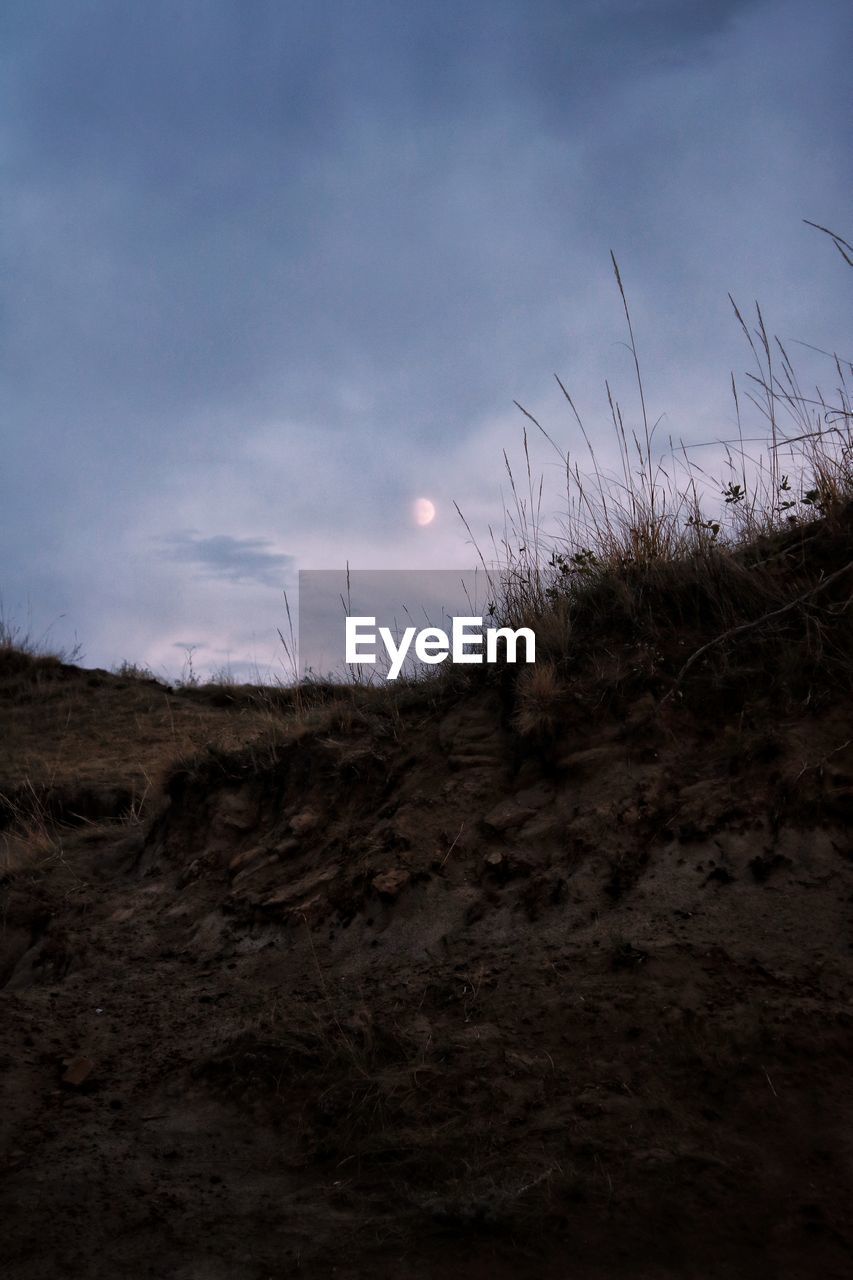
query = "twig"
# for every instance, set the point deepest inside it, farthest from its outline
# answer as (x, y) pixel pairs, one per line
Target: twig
(757, 622)
(806, 766)
(453, 846)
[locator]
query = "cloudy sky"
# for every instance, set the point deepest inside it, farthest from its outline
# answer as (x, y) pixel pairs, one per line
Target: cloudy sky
(273, 269)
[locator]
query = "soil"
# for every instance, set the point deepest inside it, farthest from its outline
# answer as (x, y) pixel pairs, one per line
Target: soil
(390, 992)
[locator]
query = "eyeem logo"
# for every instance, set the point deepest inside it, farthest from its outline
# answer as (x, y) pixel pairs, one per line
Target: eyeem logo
(433, 645)
(377, 624)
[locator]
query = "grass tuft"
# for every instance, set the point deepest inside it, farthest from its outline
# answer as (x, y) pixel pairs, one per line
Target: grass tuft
(660, 567)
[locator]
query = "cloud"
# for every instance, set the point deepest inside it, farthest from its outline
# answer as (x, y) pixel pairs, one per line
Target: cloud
(232, 559)
(286, 266)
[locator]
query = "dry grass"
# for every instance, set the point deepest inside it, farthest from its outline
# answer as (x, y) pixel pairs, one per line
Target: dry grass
(662, 554)
(81, 746)
(540, 694)
(18, 644)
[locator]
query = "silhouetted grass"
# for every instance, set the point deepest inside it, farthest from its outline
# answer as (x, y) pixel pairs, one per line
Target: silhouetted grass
(661, 569)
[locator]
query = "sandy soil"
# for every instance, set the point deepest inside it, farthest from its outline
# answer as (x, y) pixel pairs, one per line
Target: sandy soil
(393, 995)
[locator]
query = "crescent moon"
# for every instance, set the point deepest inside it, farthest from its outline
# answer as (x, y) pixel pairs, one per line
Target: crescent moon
(424, 511)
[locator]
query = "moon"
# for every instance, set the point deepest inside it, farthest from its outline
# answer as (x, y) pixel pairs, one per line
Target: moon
(423, 511)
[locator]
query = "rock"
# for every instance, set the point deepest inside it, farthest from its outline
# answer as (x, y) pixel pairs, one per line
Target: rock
(506, 816)
(505, 866)
(389, 883)
(252, 869)
(591, 758)
(643, 712)
(244, 859)
(302, 823)
(78, 1072)
(543, 827)
(301, 887)
(237, 810)
(285, 847)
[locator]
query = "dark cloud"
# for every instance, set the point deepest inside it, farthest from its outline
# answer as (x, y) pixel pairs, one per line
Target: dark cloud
(220, 200)
(234, 559)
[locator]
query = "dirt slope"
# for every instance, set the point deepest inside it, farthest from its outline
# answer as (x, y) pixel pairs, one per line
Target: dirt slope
(391, 991)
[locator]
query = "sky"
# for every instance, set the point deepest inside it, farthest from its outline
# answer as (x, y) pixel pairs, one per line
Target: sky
(272, 270)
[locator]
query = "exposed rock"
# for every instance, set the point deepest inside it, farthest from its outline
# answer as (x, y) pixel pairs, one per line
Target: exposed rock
(78, 1072)
(590, 758)
(245, 858)
(289, 893)
(285, 847)
(390, 883)
(302, 823)
(507, 816)
(237, 810)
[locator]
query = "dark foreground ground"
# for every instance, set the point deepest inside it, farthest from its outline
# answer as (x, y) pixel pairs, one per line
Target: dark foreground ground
(385, 994)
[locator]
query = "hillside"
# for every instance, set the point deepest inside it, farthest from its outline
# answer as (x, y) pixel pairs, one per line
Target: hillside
(493, 977)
